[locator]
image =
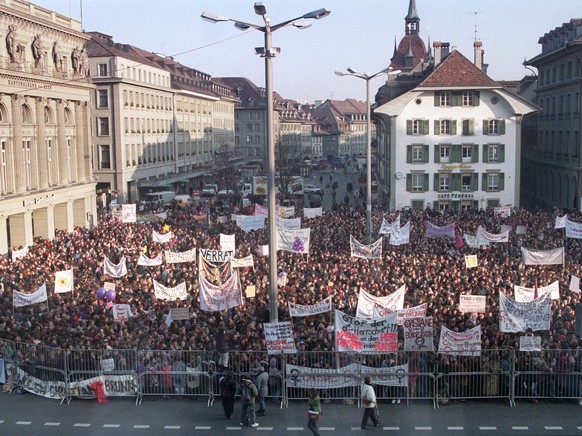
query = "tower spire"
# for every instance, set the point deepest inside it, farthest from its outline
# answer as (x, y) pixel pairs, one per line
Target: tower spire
(412, 21)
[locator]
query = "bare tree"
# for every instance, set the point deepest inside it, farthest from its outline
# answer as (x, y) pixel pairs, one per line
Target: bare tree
(288, 155)
(224, 166)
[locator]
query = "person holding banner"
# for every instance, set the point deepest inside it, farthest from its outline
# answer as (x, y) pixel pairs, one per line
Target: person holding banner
(370, 404)
(314, 413)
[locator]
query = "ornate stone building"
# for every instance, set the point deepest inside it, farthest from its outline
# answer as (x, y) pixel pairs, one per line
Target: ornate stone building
(46, 180)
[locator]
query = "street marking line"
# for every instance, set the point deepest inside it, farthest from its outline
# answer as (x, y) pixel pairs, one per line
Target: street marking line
(172, 427)
(515, 427)
(423, 428)
(23, 422)
(326, 428)
(111, 425)
(487, 428)
(391, 428)
(456, 428)
(52, 424)
(295, 428)
(265, 428)
(234, 428)
(81, 424)
(141, 426)
(202, 427)
(554, 427)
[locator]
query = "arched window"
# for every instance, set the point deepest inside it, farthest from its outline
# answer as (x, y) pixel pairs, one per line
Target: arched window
(26, 114)
(68, 116)
(48, 115)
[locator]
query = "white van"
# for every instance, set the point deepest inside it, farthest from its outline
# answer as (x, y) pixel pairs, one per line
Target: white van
(164, 196)
(183, 200)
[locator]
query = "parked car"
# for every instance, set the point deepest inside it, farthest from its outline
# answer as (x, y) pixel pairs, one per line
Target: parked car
(312, 189)
(225, 192)
(209, 190)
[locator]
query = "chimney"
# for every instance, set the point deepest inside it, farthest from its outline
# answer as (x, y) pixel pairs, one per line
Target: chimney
(478, 52)
(445, 49)
(437, 52)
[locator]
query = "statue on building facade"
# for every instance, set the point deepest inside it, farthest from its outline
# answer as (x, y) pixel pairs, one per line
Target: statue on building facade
(76, 58)
(57, 56)
(38, 52)
(11, 43)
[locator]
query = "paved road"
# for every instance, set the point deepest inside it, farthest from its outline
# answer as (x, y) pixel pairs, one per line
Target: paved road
(29, 414)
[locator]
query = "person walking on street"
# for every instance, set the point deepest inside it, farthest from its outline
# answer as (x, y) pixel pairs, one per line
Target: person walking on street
(314, 413)
(370, 404)
(248, 393)
(262, 384)
(227, 391)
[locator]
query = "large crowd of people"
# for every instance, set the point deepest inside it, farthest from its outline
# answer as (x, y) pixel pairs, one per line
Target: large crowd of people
(432, 269)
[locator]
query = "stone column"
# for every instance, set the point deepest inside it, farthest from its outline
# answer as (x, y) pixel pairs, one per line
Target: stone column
(19, 163)
(62, 144)
(3, 236)
(79, 142)
(40, 146)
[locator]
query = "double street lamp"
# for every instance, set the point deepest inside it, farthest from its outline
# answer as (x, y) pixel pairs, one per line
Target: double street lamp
(367, 78)
(268, 52)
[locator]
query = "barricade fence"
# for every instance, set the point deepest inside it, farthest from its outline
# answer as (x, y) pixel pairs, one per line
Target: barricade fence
(498, 374)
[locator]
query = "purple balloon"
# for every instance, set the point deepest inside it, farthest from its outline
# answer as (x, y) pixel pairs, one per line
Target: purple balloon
(100, 293)
(110, 294)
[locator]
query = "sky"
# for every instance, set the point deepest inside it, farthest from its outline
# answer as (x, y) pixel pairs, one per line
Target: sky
(359, 34)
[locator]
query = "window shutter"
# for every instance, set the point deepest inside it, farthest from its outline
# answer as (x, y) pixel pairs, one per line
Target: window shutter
(484, 182)
(409, 153)
(501, 181)
(409, 182)
(502, 127)
(456, 155)
(426, 182)
(437, 127)
(475, 181)
(476, 98)
(425, 127)
(485, 127)
(453, 127)
(435, 182)
(437, 99)
(409, 127)
(475, 153)
(425, 153)
(485, 153)
(471, 127)
(437, 153)
(476, 204)
(456, 181)
(455, 205)
(457, 98)
(501, 152)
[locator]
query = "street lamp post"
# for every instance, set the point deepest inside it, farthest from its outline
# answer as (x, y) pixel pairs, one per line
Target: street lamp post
(268, 52)
(367, 78)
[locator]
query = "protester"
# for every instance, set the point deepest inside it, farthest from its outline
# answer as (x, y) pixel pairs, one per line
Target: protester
(248, 393)
(314, 413)
(370, 404)
(227, 394)
(262, 384)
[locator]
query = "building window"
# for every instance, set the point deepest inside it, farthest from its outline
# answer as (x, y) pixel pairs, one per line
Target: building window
(102, 68)
(26, 115)
(417, 153)
(27, 163)
(467, 182)
(49, 158)
(468, 98)
(417, 127)
(494, 127)
(468, 129)
(102, 98)
(445, 127)
(103, 126)
(249, 127)
(48, 116)
(492, 181)
(104, 157)
(417, 182)
(3, 171)
(493, 153)
(445, 98)
(444, 182)
(467, 153)
(445, 153)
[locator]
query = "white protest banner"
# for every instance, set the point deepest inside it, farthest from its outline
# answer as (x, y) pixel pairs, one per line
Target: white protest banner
(264, 250)
(282, 279)
(575, 284)
(460, 343)
(474, 242)
(227, 242)
(321, 306)
(561, 222)
(506, 228)
(385, 227)
(121, 312)
(554, 256)
(216, 256)
(389, 303)
(285, 211)
(279, 338)
(518, 317)
(249, 222)
(365, 336)
(261, 210)
(485, 235)
(372, 251)
(20, 299)
(244, 262)
(223, 219)
(180, 313)
(146, 261)
(295, 241)
(471, 261)
(17, 254)
(523, 294)
(530, 343)
(472, 303)
(113, 385)
(64, 281)
(433, 231)
(573, 229)
(502, 211)
(220, 297)
(170, 294)
(312, 212)
(115, 270)
(418, 334)
(162, 238)
(289, 223)
(180, 257)
(108, 286)
(400, 236)
(521, 230)
(128, 213)
(402, 314)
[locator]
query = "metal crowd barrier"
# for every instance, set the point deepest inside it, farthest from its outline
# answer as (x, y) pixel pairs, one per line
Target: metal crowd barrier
(500, 375)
